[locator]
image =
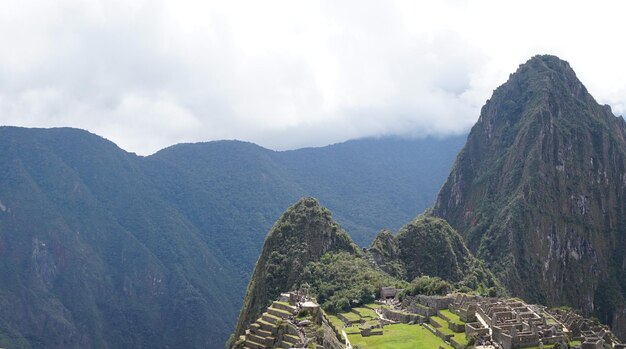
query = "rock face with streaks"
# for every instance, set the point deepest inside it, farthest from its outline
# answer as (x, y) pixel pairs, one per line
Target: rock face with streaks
(539, 191)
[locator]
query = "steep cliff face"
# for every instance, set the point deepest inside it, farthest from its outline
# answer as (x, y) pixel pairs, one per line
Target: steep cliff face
(304, 233)
(538, 191)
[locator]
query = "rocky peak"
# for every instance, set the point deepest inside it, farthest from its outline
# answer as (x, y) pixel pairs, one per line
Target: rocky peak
(539, 187)
(304, 233)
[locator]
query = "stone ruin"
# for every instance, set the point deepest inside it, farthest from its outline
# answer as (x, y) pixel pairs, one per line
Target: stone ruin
(591, 333)
(504, 323)
(498, 323)
(279, 327)
(511, 323)
(388, 292)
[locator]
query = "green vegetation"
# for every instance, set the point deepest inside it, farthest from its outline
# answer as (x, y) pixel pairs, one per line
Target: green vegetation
(304, 233)
(427, 285)
(443, 253)
(341, 281)
(386, 253)
(336, 322)
(399, 336)
(352, 317)
(156, 251)
(365, 312)
(452, 317)
(433, 255)
(393, 336)
(430, 246)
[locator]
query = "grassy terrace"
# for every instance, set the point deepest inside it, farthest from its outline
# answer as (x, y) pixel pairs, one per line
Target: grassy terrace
(352, 330)
(452, 316)
(458, 337)
(336, 322)
(399, 336)
(443, 325)
(366, 313)
(351, 316)
(461, 338)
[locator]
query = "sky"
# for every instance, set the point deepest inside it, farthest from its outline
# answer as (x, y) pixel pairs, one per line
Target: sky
(287, 74)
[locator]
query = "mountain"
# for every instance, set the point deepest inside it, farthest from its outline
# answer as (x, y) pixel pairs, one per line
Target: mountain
(95, 257)
(307, 249)
(304, 233)
(102, 248)
(429, 246)
(538, 191)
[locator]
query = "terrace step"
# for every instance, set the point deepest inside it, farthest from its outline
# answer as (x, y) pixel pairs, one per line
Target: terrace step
(267, 326)
(267, 317)
(286, 345)
(279, 313)
(291, 338)
(253, 345)
(266, 341)
(434, 323)
(261, 332)
(429, 328)
(284, 306)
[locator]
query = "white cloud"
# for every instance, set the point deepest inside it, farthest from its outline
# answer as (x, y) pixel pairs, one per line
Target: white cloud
(285, 74)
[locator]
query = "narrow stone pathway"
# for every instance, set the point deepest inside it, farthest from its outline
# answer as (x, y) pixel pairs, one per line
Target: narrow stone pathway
(482, 321)
(345, 336)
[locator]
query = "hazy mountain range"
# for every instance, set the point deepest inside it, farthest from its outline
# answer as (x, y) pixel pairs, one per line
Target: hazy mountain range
(105, 249)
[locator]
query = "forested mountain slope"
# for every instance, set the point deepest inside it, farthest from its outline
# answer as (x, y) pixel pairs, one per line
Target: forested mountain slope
(103, 248)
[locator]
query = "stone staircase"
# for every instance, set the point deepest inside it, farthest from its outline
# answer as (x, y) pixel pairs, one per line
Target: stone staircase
(271, 330)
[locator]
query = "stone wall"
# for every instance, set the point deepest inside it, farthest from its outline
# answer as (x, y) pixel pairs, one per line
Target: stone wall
(331, 340)
(413, 305)
(435, 302)
(402, 317)
(474, 329)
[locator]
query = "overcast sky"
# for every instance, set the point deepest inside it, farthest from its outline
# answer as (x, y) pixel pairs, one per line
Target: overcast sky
(287, 74)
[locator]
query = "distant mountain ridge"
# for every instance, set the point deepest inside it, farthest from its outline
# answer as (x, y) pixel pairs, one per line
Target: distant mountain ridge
(539, 191)
(103, 248)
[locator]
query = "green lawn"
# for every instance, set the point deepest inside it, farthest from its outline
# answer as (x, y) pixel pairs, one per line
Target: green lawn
(399, 336)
